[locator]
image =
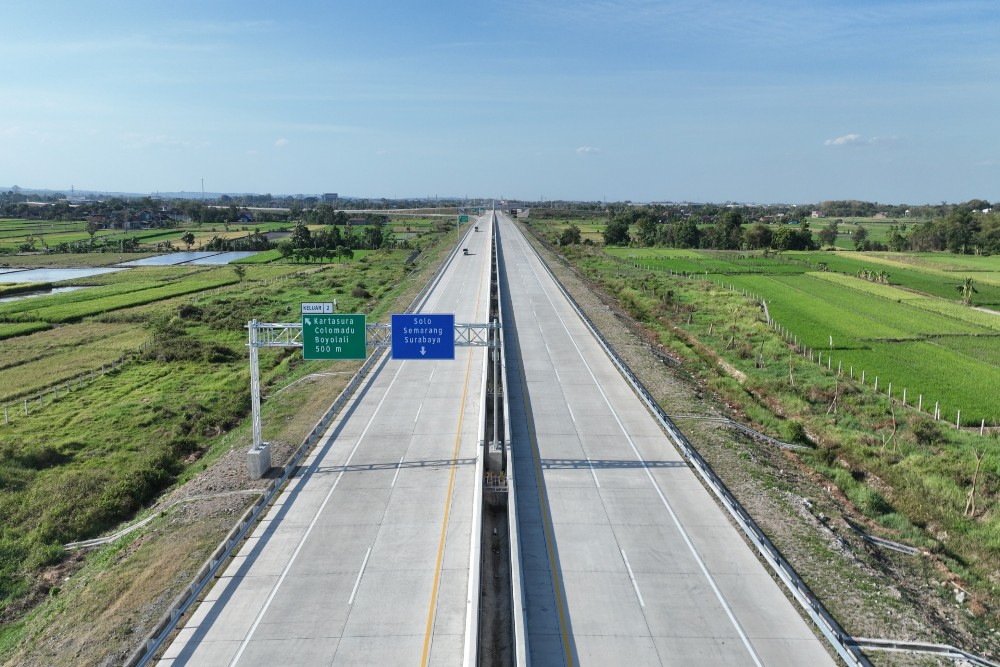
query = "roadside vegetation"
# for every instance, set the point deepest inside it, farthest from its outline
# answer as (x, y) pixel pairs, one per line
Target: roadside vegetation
(915, 479)
(97, 449)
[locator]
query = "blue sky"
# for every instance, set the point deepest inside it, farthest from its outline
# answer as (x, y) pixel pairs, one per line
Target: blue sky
(726, 100)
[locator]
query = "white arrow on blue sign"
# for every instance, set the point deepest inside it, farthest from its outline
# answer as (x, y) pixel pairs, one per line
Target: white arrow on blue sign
(423, 336)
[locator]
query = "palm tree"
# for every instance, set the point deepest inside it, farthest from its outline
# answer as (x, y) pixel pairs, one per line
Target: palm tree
(967, 289)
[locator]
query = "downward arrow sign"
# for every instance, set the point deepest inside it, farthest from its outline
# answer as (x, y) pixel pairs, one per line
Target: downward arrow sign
(423, 350)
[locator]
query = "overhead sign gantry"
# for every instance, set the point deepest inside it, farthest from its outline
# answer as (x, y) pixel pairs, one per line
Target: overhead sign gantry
(348, 336)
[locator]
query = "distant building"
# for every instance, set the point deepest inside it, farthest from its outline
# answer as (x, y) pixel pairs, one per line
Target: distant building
(330, 198)
(881, 216)
(815, 214)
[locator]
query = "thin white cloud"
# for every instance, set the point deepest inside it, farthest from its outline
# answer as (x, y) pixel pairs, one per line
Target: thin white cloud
(281, 143)
(858, 140)
(140, 141)
(846, 140)
(587, 150)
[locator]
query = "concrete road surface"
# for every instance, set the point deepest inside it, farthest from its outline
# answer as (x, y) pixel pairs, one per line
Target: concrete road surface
(627, 559)
(365, 558)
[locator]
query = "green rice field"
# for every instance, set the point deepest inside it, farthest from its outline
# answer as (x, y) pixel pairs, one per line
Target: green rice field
(913, 332)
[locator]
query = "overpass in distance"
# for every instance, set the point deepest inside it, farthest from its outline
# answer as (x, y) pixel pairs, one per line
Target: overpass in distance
(577, 536)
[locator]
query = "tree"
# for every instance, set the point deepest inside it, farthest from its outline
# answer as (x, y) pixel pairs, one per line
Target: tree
(372, 237)
(960, 229)
(967, 289)
(896, 241)
(828, 235)
(789, 238)
(688, 234)
(616, 233)
(925, 237)
(570, 235)
(758, 235)
(860, 236)
(730, 236)
(988, 239)
(188, 239)
(301, 238)
(646, 230)
(240, 272)
(92, 228)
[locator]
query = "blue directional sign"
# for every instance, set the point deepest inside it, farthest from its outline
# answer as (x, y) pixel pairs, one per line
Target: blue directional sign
(423, 336)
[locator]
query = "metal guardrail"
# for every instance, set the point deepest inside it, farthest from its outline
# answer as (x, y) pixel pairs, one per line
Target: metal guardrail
(942, 650)
(844, 645)
(144, 654)
(882, 542)
(519, 613)
(108, 539)
(757, 435)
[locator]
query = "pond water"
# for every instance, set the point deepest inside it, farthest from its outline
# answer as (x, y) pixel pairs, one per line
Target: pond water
(225, 257)
(48, 292)
(50, 275)
(171, 259)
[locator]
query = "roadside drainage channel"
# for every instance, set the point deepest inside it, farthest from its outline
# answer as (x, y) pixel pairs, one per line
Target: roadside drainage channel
(498, 561)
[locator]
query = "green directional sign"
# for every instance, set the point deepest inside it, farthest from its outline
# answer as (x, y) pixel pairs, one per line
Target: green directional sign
(334, 336)
(463, 218)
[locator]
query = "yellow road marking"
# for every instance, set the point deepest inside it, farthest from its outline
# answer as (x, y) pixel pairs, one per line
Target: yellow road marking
(544, 503)
(543, 500)
(447, 505)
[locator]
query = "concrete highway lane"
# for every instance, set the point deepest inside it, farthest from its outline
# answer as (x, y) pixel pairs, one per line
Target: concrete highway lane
(365, 557)
(626, 557)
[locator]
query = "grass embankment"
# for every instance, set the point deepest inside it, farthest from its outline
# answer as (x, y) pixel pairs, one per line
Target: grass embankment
(904, 471)
(80, 465)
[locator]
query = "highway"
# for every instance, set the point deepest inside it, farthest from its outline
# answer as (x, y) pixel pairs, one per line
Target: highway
(626, 557)
(365, 557)
(371, 554)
